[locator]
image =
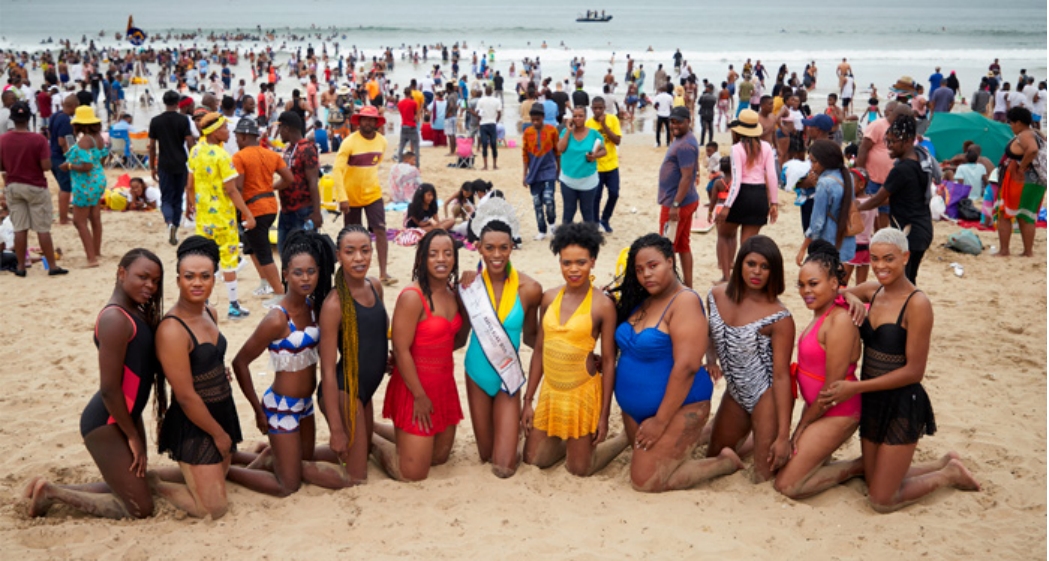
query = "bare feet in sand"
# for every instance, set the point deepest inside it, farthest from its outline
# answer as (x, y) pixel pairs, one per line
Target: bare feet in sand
(960, 476)
(36, 492)
(730, 454)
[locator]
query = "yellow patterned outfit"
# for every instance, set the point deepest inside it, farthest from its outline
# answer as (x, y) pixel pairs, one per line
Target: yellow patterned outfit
(216, 218)
(570, 398)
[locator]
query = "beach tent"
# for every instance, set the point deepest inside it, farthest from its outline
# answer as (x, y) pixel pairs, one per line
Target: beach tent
(949, 130)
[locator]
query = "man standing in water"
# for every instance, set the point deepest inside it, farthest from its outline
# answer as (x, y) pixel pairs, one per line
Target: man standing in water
(356, 176)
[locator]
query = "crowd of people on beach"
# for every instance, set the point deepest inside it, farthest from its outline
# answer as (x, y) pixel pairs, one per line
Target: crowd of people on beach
(240, 163)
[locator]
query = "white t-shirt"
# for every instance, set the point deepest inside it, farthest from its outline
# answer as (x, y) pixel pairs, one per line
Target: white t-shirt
(999, 101)
(664, 102)
(489, 107)
(153, 195)
(427, 85)
(1017, 99)
(1029, 93)
(1039, 106)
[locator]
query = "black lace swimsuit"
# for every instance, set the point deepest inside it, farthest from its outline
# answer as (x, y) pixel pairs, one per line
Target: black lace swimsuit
(184, 441)
(899, 415)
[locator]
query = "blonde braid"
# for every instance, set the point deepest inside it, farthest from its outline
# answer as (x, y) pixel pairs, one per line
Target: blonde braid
(348, 346)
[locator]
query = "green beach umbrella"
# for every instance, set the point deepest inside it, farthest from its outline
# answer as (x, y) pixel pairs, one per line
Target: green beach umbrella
(949, 130)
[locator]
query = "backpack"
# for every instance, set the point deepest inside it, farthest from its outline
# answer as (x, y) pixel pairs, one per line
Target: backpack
(965, 241)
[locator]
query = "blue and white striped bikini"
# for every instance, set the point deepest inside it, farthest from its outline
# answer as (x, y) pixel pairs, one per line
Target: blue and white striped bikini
(295, 352)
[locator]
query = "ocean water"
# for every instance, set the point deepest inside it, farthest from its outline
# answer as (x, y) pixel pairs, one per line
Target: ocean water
(882, 40)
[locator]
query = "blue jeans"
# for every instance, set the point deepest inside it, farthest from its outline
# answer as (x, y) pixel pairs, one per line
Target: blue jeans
(583, 199)
(488, 137)
(543, 199)
(289, 221)
(606, 180)
(172, 189)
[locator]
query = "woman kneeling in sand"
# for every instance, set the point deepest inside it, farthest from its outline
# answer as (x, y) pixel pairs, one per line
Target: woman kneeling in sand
(827, 353)
(661, 385)
(494, 373)
(201, 429)
(290, 333)
(896, 411)
(111, 424)
(571, 419)
(421, 398)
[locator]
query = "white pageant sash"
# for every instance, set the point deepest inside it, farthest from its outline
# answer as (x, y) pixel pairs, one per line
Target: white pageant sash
(492, 336)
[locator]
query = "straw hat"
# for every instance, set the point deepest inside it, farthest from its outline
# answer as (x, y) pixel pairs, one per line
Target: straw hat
(85, 115)
(905, 84)
(747, 124)
(343, 90)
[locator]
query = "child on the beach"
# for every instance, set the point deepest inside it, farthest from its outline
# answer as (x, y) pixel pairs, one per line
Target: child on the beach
(872, 113)
(861, 261)
(718, 194)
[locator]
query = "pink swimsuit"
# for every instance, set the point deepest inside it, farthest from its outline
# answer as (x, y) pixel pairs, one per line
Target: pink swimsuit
(811, 371)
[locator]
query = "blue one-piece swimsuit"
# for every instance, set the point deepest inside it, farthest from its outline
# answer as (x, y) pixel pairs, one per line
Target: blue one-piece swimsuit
(646, 359)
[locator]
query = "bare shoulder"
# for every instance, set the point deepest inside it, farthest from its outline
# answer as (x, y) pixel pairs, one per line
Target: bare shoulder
(376, 285)
(530, 288)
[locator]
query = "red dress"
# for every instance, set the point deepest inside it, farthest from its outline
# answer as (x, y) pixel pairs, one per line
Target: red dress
(431, 351)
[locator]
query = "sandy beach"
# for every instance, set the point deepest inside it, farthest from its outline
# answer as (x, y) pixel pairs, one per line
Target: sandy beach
(986, 378)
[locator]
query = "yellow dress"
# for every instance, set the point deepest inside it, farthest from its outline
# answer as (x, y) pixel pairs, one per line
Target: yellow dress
(570, 398)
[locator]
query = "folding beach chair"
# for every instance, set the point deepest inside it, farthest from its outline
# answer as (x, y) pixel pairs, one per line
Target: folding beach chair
(139, 152)
(117, 150)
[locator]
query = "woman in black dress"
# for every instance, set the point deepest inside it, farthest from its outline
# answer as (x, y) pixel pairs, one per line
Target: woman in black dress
(896, 411)
(200, 430)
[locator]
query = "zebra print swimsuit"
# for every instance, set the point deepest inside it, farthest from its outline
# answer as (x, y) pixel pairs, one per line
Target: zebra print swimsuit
(745, 355)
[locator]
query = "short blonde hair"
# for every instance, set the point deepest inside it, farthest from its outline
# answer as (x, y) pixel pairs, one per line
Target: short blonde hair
(892, 236)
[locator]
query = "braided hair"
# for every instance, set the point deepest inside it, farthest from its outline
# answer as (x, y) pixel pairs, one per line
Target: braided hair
(631, 292)
(419, 267)
(153, 311)
(198, 245)
(349, 340)
(321, 248)
(824, 254)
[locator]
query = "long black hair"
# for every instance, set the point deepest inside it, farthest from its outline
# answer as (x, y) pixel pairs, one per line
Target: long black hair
(320, 247)
(631, 292)
(153, 312)
(418, 209)
(419, 267)
(828, 155)
(765, 247)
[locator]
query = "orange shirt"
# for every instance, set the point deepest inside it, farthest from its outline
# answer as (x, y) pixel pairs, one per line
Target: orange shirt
(373, 89)
(257, 165)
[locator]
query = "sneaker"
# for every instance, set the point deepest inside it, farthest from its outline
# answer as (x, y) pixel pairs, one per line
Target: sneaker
(173, 234)
(273, 302)
(237, 312)
(264, 289)
(553, 229)
(540, 236)
(605, 226)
